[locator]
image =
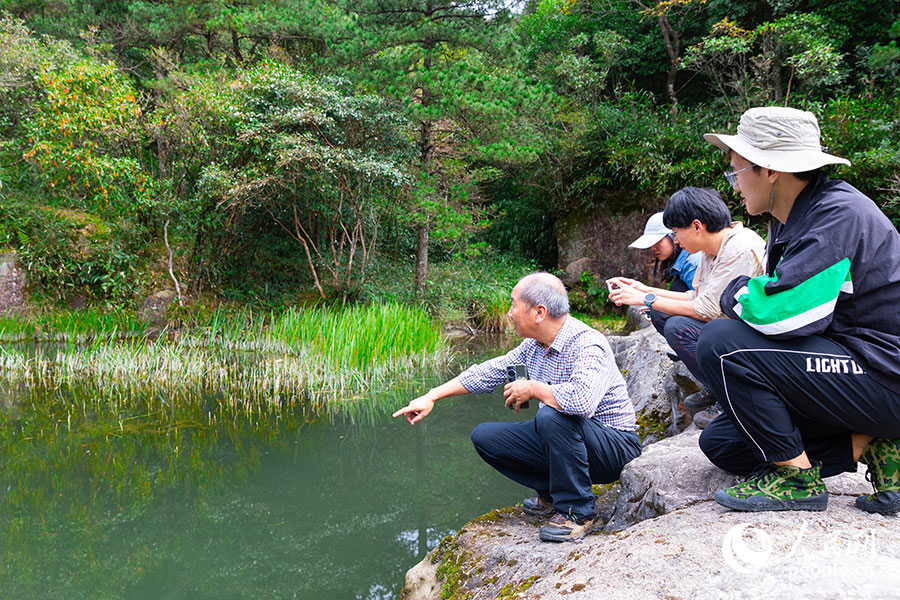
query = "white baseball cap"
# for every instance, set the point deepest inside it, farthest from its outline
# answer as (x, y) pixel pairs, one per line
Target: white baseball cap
(654, 231)
(778, 138)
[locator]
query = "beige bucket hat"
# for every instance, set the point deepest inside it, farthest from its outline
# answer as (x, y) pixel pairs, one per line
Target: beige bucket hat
(778, 138)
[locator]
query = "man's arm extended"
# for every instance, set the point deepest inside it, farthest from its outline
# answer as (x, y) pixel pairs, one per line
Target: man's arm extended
(419, 408)
(477, 379)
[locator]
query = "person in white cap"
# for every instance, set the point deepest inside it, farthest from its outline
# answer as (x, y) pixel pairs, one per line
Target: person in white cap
(673, 265)
(807, 369)
(702, 224)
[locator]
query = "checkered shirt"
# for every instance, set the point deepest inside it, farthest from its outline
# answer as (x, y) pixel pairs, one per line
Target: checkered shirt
(580, 368)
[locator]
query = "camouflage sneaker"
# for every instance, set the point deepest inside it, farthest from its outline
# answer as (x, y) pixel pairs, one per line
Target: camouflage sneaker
(778, 487)
(539, 507)
(562, 529)
(883, 458)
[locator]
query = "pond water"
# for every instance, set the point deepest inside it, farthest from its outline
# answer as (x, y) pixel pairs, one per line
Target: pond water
(165, 502)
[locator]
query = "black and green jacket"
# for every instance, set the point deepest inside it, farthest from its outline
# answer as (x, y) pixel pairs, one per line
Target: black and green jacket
(833, 270)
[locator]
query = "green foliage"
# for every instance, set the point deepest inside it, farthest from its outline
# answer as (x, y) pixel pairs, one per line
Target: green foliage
(475, 288)
(467, 128)
(641, 145)
(71, 326)
(276, 145)
(66, 251)
(590, 295)
(85, 138)
(748, 66)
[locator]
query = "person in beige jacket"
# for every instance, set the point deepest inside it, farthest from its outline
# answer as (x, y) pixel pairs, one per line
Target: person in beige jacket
(701, 222)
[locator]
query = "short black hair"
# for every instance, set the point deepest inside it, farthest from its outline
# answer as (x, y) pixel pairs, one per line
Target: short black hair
(704, 204)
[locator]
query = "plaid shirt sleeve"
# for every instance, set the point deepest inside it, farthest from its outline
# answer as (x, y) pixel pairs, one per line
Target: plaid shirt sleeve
(484, 377)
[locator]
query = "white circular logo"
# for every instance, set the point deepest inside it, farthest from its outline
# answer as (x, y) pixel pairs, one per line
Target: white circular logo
(742, 557)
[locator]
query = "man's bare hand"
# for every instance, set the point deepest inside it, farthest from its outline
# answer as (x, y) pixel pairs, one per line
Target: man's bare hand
(517, 393)
(626, 291)
(416, 410)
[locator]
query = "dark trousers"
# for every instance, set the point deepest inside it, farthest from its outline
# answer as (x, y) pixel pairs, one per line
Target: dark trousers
(781, 397)
(558, 456)
(682, 334)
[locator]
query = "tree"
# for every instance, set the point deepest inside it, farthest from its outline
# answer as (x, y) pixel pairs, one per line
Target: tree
(436, 57)
(317, 160)
(754, 63)
(672, 17)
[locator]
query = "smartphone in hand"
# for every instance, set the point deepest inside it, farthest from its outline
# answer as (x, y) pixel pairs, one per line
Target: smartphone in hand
(514, 373)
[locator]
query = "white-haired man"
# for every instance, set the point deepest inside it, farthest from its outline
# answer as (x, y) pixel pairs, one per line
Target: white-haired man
(807, 368)
(584, 429)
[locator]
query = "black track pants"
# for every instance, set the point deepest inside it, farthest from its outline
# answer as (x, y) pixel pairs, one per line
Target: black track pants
(782, 397)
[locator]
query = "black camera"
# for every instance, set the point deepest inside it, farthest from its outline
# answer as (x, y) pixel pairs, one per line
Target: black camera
(514, 373)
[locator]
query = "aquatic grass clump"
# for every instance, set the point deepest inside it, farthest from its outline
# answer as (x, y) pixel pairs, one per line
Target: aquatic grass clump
(360, 336)
(489, 311)
(13, 329)
(74, 326)
(309, 357)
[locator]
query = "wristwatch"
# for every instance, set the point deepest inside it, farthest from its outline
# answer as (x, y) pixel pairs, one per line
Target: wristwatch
(649, 299)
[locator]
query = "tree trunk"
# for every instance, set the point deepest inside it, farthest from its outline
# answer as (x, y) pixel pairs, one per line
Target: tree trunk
(162, 155)
(236, 46)
(422, 260)
(672, 41)
(778, 89)
(425, 157)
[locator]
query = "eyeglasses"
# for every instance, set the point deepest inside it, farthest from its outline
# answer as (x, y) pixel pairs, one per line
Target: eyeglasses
(731, 176)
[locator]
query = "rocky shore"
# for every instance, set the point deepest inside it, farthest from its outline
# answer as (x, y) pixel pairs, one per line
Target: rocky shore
(663, 537)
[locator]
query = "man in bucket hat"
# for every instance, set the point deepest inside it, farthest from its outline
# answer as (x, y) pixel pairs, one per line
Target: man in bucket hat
(807, 369)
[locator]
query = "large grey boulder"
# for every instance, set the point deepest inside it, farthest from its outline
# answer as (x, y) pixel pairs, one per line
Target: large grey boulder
(636, 320)
(12, 284)
(707, 552)
(653, 381)
(680, 384)
(678, 544)
(674, 473)
(656, 482)
(572, 272)
(153, 312)
(604, 237)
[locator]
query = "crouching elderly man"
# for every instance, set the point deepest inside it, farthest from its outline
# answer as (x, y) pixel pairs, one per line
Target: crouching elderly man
(584, 428)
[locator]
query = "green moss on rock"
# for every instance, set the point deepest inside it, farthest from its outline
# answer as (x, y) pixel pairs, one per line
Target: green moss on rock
(513, 590)
(652, 422)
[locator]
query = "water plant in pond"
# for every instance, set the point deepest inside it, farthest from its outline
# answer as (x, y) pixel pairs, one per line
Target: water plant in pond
(308, 357)
(77, 326)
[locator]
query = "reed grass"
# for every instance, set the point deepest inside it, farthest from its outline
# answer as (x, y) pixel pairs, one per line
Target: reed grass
(72, 326)
(256, 361)
(489, 312)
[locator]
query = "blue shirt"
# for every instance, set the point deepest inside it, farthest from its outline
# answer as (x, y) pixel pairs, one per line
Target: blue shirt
(580, 368)
(685, 266)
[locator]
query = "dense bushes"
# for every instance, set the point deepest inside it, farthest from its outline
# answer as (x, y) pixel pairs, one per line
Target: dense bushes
(67, 251)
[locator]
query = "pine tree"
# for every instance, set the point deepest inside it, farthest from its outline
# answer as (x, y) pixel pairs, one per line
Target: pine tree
(443, 59)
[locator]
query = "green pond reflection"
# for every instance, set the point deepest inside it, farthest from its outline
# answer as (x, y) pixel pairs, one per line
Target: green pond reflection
(169, 499)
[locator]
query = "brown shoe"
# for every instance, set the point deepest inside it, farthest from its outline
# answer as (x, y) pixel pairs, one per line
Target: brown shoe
(562, 529)
(705, 417)
(538, 507)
